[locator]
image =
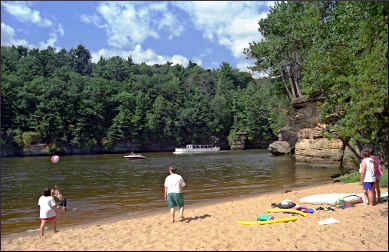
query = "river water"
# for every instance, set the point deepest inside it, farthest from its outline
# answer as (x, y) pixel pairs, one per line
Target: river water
(102, 186)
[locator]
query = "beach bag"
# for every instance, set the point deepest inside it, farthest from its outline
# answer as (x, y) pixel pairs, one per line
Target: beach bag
(285, 204)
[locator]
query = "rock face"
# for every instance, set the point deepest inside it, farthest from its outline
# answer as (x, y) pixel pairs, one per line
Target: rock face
(322, 150)
(280, 148)
(36, 150)
(239, 141)
(306, 116)
(303, 132)
(35, 147)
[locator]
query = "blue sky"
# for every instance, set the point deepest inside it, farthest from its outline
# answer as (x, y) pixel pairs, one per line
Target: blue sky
(153, 32)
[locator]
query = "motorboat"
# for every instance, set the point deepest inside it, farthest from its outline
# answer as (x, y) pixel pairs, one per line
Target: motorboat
(134, 156)
(196, 148)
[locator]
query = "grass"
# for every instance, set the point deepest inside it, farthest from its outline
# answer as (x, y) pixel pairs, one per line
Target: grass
(355, 177)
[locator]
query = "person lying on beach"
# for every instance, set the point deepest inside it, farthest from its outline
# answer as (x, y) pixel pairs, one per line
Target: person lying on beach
(57, 194)
(47, 210)
(173, 186)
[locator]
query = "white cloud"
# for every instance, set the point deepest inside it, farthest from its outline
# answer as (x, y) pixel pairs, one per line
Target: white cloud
(8, 37)
(127, 24)
(50, 42)
(25, 14)
(270, 4)
(243, 66)
(139, 56)
(231, 24)
(168, 21)
(60, 30)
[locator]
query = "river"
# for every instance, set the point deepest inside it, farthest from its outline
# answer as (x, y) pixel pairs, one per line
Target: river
(102, 186)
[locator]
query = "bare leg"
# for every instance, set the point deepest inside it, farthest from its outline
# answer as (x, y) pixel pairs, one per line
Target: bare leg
(43, 223)
(172, 213)
(374, 194)
(378, 190)
(182, 213)
(371, 197)
(64, 209)
(366, 197)
(55, 225)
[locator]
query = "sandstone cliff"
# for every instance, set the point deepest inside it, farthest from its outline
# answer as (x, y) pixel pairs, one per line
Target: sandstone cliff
(303, 132)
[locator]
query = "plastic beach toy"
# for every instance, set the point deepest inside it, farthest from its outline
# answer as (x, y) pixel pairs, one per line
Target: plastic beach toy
(265, 217)
(267, 222)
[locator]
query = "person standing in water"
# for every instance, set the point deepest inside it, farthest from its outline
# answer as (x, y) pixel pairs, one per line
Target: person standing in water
(173, 186)
(47, 210)
(56, 192)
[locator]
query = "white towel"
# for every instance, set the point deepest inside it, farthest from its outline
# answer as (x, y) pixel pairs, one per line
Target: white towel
(328, 221)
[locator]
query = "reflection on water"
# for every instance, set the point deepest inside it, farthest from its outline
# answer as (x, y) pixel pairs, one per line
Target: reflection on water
(99, 186)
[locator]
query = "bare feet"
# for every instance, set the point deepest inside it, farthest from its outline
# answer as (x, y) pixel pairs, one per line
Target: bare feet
(172, 220)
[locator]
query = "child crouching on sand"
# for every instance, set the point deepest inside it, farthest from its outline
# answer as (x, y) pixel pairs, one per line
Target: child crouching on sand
(368, 177)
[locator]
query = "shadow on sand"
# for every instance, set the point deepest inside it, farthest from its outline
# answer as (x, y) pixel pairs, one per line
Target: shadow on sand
(189, 219)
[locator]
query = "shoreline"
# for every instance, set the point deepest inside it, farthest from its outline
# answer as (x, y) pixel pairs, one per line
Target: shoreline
(213, 226)
(163, 210)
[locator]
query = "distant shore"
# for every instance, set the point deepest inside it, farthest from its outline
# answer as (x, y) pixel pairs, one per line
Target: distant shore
(213, 226)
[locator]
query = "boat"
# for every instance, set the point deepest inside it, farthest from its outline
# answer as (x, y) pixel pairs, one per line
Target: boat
(134, 156)
(196, 148)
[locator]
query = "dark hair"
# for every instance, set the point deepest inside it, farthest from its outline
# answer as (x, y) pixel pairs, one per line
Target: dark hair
(371, 151)
(47, 192)
(365, 153)
(172, 168)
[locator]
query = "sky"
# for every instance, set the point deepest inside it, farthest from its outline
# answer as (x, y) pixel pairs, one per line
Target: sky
(154, 32)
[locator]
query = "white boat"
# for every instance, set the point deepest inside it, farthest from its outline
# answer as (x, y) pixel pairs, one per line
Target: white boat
(134, 156)
(196, 148)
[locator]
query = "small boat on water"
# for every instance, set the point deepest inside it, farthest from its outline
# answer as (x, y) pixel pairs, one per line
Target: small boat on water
(196, 148)
(134, 156)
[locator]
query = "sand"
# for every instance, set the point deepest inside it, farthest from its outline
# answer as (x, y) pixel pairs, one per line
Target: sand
(214, 227)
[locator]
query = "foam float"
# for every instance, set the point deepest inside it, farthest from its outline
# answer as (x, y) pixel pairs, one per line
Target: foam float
(267, 222)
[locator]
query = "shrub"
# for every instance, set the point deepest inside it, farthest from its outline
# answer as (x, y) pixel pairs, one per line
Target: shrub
(355, 177)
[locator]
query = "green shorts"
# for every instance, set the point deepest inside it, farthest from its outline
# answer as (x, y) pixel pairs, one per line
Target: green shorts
(175, 199)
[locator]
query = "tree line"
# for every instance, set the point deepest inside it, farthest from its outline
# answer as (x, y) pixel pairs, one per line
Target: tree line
(70, 101)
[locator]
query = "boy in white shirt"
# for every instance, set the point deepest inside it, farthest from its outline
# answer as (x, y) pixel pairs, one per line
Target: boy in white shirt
(368, 177)
(174, 184)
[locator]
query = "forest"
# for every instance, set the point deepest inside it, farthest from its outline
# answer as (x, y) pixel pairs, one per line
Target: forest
(335, 50)
(68, 100)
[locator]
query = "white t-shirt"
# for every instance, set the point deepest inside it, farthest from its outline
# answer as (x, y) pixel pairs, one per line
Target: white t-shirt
(46, 204)
(174, 183)
(369, 174)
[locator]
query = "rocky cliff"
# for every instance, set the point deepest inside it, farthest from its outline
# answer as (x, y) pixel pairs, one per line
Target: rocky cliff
(303, 133)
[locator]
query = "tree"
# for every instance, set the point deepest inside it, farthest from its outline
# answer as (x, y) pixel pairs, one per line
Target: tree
(282, 50)
(349, 67)
(81, 60)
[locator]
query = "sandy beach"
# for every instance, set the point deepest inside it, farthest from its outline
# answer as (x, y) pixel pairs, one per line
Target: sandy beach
(214, 227)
